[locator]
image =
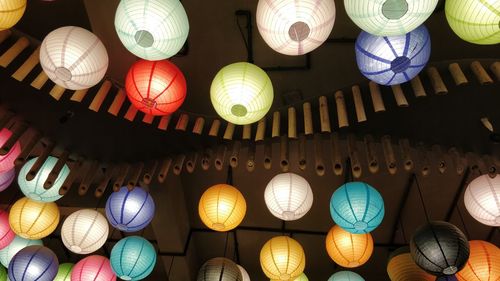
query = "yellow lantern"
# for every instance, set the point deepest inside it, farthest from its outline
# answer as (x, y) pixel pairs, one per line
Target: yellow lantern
(222, 207)
(483, 263)
(282, 258)
(401, 267)
(33, 220)
(11, 11)
(347, 249)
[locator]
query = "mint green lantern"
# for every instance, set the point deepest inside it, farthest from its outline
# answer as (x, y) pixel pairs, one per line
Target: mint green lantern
(34, 189)
(3, 274)
(64, 272)
(133, 258)
(7, 253)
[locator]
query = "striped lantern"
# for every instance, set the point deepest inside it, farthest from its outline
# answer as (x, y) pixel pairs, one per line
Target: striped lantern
(401, 267)
(482, 199)
(6, 233)
(3, 274)
(221, 269)
(7, 253)
(282, 258)
(7, 160)
(34, 263)
(483, 263)
(6, 178)
(347, 249)
(133, 258)
(346, 276)
(64, 272)
(244, 273)
(11, 11)
(130, 210)
(33, 220)
(84, 231)
(93, 268)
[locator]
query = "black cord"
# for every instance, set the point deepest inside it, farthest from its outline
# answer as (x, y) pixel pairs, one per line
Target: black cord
(229, 179)
(421, 198)
(226, 244)
(403, 230)
(463, 222)
(170, 268)
(242, 33)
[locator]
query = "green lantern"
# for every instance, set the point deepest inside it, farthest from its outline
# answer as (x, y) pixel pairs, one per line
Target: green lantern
(64, 272)
(3, 274)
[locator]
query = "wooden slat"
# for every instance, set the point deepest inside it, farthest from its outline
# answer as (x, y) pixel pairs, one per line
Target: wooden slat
(182, 122)
(198, 125)
(495, 68)
(358, 104)
(131, 113)
(4, 34)
(100, 96)
(117, 102)
(341, 109)
(40, 80)
(436, 81)
(14, 51)
(457, 74)
(163, 124)
(148, 118)
(377, 100)
(79, 95)
(214, 129)
(57, 92)
(399, 96)
(261, 130)
(482, 76)
(292, 123)
(275, 132)
(418, 87)
(324, 115)
(247, 132)
(308, 124)
(229, 132)
(27, 66)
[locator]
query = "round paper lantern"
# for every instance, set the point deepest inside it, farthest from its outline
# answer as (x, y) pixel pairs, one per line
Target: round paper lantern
(282, 258)
(301, 277)
(34, 189)
(295, 27)
(389, 17)
(6, 233)
(11, 11)
(64, 272)
(84, 231)
(133, 258)
(475, 21)
(483, 263)
(7, 160)
(241, 93)
(93, 268)
(288, 196)
(346, 276)
(3, 274)
(401, 267)
(222, 207)
(34, 263)
(395, 59)
(33, 220)
(220, 269)
(357, 207)
(155, 87)
(15, 246)
(244, 273)
(73, 58)
(439, 248)
(6, 178)
(482, 199)
(130, 210)
(152, 30)
(347, 249)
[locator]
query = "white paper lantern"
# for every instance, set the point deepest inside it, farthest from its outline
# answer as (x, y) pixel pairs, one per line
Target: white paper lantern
(288, 196)
(73, 58)
(482, 199)
(244, 273)
(84, 231)
(295, 27)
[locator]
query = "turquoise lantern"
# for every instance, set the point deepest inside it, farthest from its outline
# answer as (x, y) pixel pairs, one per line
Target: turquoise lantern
(346, 276)
(357, 207)
(133, 258)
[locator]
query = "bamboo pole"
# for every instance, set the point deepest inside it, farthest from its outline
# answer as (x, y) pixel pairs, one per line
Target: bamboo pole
(131, 113)
(247, 132)
(14, 51)
(436, 81)
(284, 154)
(207, 158)
(308, 124)
(292, 123)
(164, 121)
(482, 76)
(54, 173)
(47, 149)
(318, 155)
(182, 122)
(337, 164)
(457, 160)
(74, 172)
(491, 167)
(352, 148)
(399, 96)
(163, 172)
(149, 172)
(261, 130)
(302, 152)
(390, 158)
(148, 118)
(7, 117)
(457, 74)
(404, 145)
(418, 87)
(268, 154)
(251, 157)
(100, 96)
(235, 154)
(4, 35)
(358, 104)
(371, 154)
(214, 129)
(40, 80)
(276, 124)
(198, 126)
(377, 100)
(103, 185)
(79, 95)
(341, 109)
(191, 160)
(440, 158)
(28, 141)
(424, 159)
(178, 164)
(135, 174)
(27, 66)
(324, 114)
(56, 92)
(120, 178)
(18, 128)
(229, 132)
(220, 157)
(495, 68)
(88, 178)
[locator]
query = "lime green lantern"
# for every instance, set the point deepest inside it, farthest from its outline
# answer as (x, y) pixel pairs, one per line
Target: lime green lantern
(64, 272)
(3, 274)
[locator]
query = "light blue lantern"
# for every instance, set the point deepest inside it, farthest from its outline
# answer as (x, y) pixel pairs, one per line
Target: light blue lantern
(346, 276)
(34, 189)
(34, 263)
(357, 207)
(392, 60)
(14, 247)
(133, 258)
(130, 210)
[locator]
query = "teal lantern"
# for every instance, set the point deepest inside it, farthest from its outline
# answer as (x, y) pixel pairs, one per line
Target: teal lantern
(133, 258)
(346, 276)
(34, 189)
(64, 272)
(357, 207)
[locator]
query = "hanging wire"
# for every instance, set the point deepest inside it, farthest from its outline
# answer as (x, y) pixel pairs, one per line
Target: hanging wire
(226, 244)
(421, 198)
(403, 232)
(462, 220)
(170, 268)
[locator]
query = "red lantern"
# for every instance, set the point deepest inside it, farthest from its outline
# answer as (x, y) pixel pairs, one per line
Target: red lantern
(155, 87)
(7, 160)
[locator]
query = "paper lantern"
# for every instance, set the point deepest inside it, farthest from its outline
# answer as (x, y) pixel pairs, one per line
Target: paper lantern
(395, 59)
(64, 272)
(34, 263)
(93, 268)
(6, 178)
(282, 258)
(301, 277)
(155, 87)
(439, 248)
(130, 210)
(346, 276)
(295, 27)
(357, 207)
(244, 273)
(401, 267)
(222, 207)
(475, 21)
(241, 93)
(7, 160)
(220, 269)
(84, 231)
(34, 189)
(389, 17)
(33, 220)
(3, 274)
(133, 258)
(6, 233)
(152, 30)
(347, 249)
(73, 58)
(483, 263)
(15, 246)
(482, 199)
(11, 11)
(288, 196)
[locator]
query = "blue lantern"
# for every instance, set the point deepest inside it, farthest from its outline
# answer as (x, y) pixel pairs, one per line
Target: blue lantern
(14, 247)
(392, 60)
(346, 276)
(133, 258)
(357, 207)
(34, 263)
(130, 210)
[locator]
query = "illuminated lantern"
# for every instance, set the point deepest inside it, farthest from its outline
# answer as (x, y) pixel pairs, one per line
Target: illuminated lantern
(439, 248)
(295, 27)
(401, 267)
(84, 231)
(130, 210)
(6, 178)
(3, 274)
(482, 199)
(34, 189)
(93, 268)
(244, 273)
(389, 17)
(6, 234)
(15, 246)
(64, 272)
(34, 263)
(133, 258)
(288, 196)
(346, 276)
(73, 58)
(33, 220)
(220, 269)
(475, 21)
(282, 258)
(395, 59)
(7, 160)
(11, 11)
(152, 30)
(483, 263)
(301, 277)
(155, 87)
(357, 207)
(241, 93)
(347, 249)
(222, 207)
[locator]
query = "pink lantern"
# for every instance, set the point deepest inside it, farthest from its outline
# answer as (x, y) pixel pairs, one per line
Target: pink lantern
(6, 178)
(7, 160)
(93, 268)
(6, 234)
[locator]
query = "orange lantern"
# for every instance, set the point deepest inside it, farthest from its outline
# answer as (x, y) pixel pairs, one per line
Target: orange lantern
(401, 267)
(483, 263)
(348, 249)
